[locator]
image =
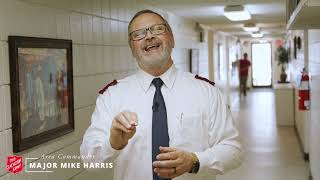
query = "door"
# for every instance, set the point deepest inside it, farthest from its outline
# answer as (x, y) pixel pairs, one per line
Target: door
(261, 65)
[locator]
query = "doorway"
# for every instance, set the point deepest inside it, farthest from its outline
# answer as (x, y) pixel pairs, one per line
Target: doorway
(261, 65)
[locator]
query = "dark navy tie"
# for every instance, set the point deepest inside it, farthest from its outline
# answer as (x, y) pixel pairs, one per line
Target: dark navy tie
(160, 136)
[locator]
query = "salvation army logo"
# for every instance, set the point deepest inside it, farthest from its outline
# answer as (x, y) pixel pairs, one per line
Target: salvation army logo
(14, 164)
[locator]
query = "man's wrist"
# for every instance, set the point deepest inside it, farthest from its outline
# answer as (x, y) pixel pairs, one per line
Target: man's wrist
(195, 164)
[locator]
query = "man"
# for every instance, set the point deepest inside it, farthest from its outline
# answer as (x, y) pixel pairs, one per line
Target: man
(244, 65)
(161, 123)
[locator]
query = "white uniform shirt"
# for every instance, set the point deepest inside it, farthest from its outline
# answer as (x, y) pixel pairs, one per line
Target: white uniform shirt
(198, 121)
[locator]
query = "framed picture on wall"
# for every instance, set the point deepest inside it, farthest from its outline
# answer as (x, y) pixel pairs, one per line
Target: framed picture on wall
(41, 90)
(194, 61)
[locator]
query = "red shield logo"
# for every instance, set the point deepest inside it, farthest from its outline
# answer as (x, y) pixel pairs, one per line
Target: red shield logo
(14, 164)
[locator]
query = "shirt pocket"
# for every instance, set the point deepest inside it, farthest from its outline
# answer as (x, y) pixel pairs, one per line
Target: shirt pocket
(191, 131)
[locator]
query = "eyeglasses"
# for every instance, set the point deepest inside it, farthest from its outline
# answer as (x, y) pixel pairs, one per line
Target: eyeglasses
(141, 33)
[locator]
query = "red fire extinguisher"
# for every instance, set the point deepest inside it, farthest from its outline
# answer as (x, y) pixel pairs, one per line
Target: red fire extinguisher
(304, 92)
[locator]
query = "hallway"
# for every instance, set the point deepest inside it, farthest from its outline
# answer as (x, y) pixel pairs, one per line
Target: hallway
(271, 153)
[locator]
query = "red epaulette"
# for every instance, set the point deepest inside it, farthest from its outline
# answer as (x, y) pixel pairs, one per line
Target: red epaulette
(114, 82)
(204, 79)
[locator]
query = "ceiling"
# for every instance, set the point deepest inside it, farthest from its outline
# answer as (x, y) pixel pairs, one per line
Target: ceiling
(269, 15)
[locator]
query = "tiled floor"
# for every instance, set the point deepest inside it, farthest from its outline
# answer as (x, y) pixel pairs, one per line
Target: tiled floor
(272, 153)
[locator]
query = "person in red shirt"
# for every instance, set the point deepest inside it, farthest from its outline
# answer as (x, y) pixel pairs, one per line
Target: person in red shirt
(244, 65)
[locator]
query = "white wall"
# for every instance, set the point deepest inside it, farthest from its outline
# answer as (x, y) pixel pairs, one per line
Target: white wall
(314, 68)
(98, 29)
(186, 38)
(296, 65)
(308, 123)
(223, 77)
(220, 79)
(233, 72)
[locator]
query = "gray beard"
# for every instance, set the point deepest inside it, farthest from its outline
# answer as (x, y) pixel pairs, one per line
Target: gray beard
(156, 62)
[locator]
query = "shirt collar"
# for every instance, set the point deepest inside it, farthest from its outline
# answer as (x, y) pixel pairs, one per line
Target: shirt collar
(168, 78)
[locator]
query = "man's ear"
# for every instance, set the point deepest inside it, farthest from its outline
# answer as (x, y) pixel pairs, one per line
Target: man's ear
(172, 41)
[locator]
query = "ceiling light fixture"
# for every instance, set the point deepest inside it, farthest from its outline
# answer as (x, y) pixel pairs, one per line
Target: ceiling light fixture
(236, 13)
(257, 34)
(250, 27)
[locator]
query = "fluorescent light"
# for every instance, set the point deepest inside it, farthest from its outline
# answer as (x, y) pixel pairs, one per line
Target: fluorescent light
(236, 13)
(257, 34)
(250, 27)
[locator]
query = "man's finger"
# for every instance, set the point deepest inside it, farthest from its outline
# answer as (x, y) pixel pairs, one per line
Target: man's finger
(131, 117)
(168, 173)
(164, 171)
(167, 156)
(165, 164)
(120, 127)
(122, 120)
(134, 118)
(167, 149)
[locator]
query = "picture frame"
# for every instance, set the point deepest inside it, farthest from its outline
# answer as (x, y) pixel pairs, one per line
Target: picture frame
(41, 85)
(194, 61)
